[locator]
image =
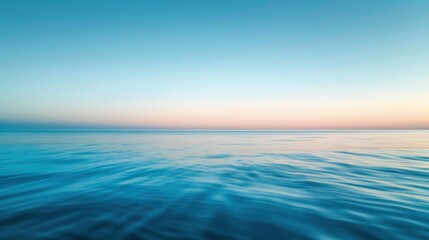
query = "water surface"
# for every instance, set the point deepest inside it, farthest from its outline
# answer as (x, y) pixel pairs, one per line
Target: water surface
(214, 185)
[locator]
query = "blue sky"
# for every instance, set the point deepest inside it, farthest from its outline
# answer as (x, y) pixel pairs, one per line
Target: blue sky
(216, 64)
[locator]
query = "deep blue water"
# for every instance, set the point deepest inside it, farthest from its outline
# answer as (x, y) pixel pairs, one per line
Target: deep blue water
(214, 185)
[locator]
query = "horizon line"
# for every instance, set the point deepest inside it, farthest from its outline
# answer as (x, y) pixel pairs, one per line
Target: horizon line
(212, 130)
(25, 126)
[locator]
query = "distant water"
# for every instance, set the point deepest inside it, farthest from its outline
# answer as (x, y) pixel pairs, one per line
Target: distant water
(215, 185)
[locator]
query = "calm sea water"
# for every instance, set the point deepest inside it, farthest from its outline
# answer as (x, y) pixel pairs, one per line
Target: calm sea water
(214, 185)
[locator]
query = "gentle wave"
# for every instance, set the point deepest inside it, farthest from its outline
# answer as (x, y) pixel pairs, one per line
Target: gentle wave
(214, 185)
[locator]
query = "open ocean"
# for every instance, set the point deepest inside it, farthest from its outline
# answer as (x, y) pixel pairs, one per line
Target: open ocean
(214, 185)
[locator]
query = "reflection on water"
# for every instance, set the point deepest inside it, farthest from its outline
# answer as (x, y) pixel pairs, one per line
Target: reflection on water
(214, 185)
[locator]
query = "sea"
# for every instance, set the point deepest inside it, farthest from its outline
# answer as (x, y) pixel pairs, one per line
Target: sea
(214, 184)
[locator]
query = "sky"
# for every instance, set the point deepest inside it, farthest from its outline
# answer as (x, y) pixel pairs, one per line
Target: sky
(215, 64)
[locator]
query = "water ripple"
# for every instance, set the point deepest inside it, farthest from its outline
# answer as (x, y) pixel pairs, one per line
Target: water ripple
(208, 185)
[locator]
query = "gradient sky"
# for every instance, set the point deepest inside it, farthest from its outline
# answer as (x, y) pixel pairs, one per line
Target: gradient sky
(216, 64)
